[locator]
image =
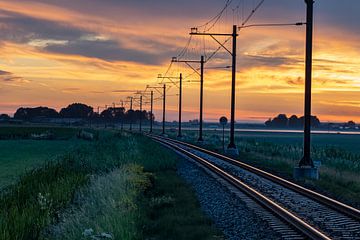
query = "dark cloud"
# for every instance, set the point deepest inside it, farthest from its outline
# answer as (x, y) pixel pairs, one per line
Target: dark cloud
(267, 61)
(2, 73)
(147, 8)
(6, 76)
(22, 29)
(71, 89)
(344, 15)
(97, 92)
(296, 82)
(108, 50)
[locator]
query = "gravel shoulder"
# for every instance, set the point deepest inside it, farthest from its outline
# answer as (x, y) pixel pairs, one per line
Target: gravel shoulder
(229, 213)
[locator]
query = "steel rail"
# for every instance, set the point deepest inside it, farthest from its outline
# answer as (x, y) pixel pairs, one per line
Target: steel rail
(332, 203)
(290, 218)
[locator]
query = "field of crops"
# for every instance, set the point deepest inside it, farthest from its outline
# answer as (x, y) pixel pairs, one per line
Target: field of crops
(25, 132)
(94, 189)
(50, 187)
(338, 154)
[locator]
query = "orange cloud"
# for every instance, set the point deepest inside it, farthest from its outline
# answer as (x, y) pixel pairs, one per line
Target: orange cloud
(270, 76)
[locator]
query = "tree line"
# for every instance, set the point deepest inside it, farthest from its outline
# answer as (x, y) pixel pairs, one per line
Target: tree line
(282, 121)
(81, 111)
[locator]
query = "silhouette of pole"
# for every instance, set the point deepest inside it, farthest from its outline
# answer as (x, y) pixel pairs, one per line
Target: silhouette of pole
(233, 35)
(201, 74)
(151, 110)
(164, 110)
(180, 105)
(233, 91)
(140, 118)
(114, 114)
(131, 105)
(106, 108)
(306, 160)
(122, 117)
(223, 138)
(202, 62)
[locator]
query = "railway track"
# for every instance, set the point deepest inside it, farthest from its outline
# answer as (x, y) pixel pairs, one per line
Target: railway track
(291, 210)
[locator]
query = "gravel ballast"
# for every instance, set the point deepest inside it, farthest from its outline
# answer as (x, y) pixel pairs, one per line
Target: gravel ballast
(229, 213)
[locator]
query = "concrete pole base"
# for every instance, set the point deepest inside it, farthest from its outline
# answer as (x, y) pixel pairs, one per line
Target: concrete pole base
(301, 173)
(233, 152)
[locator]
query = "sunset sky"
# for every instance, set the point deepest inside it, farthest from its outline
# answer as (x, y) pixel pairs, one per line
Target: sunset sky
(55, 52)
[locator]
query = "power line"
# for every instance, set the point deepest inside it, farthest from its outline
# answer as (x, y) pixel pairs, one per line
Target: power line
(253, 12)
(216, 18)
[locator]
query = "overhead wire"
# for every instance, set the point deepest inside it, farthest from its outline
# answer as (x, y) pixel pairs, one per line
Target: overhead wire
(252, 12)
(207, 27)
(216, 18)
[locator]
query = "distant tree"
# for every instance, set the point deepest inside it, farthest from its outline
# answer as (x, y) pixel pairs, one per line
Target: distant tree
(117, 114)
(143, 114)
(130, 116)
(77, 110)
(351, 124)
(280, 121)
(294, 122)
(4, 117)
(38, 112)
(314, 121)
(194, 121)
(149, 116)
(268, 123)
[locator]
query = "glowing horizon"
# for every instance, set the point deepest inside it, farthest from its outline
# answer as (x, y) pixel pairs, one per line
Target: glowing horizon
(54, 54)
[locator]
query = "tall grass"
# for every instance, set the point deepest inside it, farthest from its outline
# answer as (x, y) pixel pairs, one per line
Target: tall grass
(98, 187)
(339, 171)
(36, 200)
(106, 206)
(19, 156)
(171, 211)
(24, 132)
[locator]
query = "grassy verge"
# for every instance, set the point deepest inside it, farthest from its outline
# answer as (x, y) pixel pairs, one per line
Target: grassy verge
(35, 201)
(24, 132)
(19, 156)
(100, 186)
(172, 212)
(339, 171)
(107, 207)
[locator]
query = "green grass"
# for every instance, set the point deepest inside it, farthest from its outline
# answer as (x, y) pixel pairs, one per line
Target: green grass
(24, 132)
(107, 205)
(346, 142)
(24, 213)
(171, 211)
(19, 156)
(280, 152)
(92, 186)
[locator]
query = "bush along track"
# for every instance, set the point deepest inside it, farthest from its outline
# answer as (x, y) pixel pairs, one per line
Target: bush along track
(108, 189)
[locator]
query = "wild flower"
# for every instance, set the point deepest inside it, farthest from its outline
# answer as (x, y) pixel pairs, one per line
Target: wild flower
(162, 201)
(44, 201)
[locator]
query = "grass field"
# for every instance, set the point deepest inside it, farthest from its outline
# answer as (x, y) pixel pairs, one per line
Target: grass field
(280, 152)
(347, 142)
(19, 156)
(113, 186)
(24, 132)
